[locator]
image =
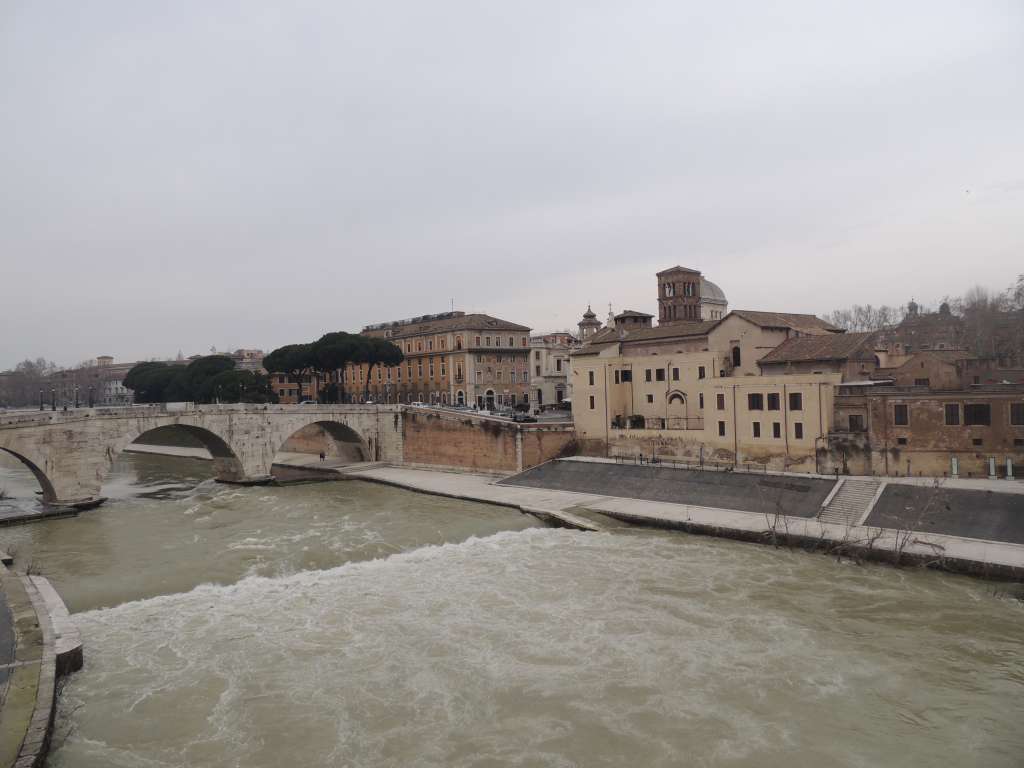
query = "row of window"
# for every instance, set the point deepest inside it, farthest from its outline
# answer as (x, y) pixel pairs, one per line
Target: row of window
(971, 414)
(756, 401)
(625, 375)
(442, 343)
(689, 289)
(558, 368)
(755, 427)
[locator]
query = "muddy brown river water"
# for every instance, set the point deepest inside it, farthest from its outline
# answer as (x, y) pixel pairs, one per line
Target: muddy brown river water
(349, 624)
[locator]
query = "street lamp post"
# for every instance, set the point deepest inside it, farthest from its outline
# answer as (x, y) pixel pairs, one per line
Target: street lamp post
(91, 396)
(76, 395)
(53, 399)
(41, 408)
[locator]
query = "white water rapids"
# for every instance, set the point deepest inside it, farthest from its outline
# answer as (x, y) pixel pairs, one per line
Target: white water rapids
(536, 647)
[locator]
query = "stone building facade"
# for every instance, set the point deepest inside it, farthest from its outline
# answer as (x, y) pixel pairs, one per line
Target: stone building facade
(693, 390)
(790, 391)
(549, 369)
(890, 429)
(452, 358)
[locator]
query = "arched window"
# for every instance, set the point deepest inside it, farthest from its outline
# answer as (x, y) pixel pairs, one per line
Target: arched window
(458, 342)
(460, 397)
(736, 357)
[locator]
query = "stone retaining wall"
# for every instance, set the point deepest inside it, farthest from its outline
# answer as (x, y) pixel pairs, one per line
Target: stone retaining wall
(478, 443)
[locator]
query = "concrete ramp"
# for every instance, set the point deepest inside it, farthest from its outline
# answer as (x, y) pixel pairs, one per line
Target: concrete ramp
(951, 511)
(762, 494)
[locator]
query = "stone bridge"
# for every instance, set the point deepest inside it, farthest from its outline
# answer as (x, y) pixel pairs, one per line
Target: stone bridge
(71, 452)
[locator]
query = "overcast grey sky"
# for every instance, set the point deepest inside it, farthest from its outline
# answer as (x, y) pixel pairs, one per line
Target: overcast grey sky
(248, 174)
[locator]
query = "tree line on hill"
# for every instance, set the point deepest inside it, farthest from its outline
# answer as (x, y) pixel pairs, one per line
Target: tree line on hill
(866, 317)
(990, 324)
(209, 379)
(330, 353)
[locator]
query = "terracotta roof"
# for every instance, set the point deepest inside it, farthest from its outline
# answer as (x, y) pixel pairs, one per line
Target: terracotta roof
(632, 313)
(806, 323)
(831, 346)
(676, 331)
(473, 322)
(607, 336)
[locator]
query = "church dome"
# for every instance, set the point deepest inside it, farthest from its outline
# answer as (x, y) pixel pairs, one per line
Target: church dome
(710, 291)
(589, 314)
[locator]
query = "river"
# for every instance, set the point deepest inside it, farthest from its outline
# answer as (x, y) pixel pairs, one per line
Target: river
(352, 624)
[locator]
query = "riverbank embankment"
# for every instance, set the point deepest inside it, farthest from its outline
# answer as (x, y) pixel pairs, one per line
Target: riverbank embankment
(545, 491)
(38, 644)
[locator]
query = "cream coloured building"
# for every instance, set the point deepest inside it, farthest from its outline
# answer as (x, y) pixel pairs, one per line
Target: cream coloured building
(678, 406)
(693, 389)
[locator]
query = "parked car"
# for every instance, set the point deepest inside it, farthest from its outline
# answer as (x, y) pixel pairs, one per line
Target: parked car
(309, 402)
(524, 418)
(418, 404)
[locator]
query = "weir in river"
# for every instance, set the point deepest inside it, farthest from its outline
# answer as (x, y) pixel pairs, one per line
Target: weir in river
(354, 624)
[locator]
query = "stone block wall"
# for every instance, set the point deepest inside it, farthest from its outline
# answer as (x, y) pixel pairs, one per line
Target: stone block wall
(455, 440)
(311, 439)
(477, 443)
(683, 445)
(542, 444)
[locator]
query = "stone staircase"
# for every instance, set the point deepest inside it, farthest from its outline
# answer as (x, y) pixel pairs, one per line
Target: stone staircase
(850, 502)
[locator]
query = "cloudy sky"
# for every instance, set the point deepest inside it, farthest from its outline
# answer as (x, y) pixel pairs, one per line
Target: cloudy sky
(248, 174)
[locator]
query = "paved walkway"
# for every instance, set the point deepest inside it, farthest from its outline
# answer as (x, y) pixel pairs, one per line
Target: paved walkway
(474, 487)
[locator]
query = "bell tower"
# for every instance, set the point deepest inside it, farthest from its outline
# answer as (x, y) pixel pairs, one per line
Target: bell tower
(679, 299)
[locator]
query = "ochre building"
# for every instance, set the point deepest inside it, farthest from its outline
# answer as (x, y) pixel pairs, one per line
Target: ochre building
(452, 358)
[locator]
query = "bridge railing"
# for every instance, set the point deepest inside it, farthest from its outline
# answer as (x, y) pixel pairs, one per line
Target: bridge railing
(47, 416)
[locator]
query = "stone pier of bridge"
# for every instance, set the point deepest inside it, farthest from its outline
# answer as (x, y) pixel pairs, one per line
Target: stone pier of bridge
(71, 452)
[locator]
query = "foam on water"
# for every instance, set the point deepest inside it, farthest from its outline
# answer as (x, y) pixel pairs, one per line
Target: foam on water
(556, 648)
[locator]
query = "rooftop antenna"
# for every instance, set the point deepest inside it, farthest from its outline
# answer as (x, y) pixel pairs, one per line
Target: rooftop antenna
(453, 304)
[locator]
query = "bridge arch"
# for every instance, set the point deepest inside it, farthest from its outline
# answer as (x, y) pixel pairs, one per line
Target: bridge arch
(227, 466)
(342, 441)
(49, 493)
(70, 454)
